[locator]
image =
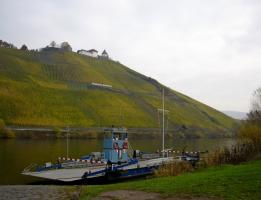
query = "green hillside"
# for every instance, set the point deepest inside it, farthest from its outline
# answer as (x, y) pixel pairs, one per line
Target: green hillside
(54, 89)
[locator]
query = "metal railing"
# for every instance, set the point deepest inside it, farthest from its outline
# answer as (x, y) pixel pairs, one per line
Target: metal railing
(29, 167)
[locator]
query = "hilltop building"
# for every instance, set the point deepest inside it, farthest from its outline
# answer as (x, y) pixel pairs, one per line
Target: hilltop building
(92, 52)
(104, 55)
(51, 49)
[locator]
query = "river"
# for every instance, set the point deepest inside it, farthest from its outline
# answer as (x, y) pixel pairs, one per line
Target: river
(16, 154)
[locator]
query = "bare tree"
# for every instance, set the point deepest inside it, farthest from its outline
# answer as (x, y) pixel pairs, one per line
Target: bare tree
(53, 44)
(7, 45)
(255, 113)
(24, 47)
(66, 46)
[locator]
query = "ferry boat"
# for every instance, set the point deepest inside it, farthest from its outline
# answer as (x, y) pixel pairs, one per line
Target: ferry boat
(116, 161)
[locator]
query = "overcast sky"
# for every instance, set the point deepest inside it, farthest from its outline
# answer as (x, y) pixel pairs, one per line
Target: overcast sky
(208, 50)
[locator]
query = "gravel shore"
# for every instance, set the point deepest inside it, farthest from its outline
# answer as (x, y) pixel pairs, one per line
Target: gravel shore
(139, 195)
(28, 192)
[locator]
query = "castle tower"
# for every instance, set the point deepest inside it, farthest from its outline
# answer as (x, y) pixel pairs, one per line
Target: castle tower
(104, 55)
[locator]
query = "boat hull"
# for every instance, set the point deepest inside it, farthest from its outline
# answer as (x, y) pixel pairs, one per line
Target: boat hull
(128, 170)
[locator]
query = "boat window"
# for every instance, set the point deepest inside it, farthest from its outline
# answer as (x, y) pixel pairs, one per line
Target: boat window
(116, 136)
(107, 134)
(123, 136)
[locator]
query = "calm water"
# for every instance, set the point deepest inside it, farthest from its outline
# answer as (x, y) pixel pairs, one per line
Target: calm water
(15, 155)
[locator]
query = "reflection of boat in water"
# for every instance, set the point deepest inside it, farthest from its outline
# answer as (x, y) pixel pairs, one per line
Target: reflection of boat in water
(116, 161)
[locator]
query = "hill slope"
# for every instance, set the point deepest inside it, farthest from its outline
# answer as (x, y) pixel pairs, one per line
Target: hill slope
(54, 89)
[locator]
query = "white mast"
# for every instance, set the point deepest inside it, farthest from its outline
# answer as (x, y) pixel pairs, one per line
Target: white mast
(163, 119)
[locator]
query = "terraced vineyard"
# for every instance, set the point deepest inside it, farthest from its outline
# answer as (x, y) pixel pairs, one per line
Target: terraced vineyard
(54, 89)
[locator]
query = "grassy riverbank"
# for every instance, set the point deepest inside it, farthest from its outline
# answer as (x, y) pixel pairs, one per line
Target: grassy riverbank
(229, 182)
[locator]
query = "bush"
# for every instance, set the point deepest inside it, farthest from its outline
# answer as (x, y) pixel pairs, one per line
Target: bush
(58, 132)
(251, 132)
(247, 147)
(240, 152)
(174, 169)
(2, 125)
(9, 134)
(4, 132)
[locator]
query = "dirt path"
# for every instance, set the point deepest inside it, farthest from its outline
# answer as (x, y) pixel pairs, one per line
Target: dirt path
(28, 192)
(138, 195)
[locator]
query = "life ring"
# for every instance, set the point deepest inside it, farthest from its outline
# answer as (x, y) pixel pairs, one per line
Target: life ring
(115, 145)
(125, 145)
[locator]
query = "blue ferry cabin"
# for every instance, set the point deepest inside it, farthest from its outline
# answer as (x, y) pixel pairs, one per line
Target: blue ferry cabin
(115, 145)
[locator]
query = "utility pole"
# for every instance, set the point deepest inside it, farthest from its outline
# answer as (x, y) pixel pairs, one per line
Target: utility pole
(67, 143)
(121, 117)
(163, 121)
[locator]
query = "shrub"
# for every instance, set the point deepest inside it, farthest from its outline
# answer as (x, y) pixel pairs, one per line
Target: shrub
(58, 132)
(4, 132)
(240, 152)
(251, 132)
(2, 128)
(9, 134)
(2, 125)
(247, 147)
(174, 169)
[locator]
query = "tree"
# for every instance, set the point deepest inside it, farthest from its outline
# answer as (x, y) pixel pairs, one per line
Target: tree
(53, 44)
(251, 129)
(255, 113)
(4, 132)
(24, 47)
(66, 46)
(6, 45)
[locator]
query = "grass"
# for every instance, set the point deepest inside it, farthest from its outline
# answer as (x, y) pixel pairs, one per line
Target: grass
(36, 89)
(230, 182)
